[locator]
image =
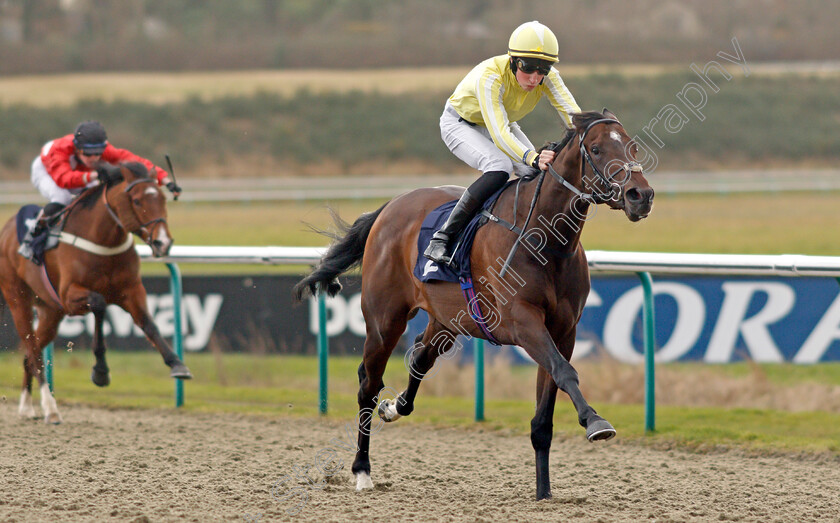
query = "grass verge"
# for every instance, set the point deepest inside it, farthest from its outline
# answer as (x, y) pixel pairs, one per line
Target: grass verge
(286, 387)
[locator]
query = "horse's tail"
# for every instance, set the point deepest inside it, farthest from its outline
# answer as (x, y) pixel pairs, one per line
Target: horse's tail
(344, 253)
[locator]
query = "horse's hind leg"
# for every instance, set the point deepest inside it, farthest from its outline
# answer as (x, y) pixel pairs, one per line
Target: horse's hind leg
(19, 299)
(419, 359)
(48, 320)
(379, 344)
(135, 303)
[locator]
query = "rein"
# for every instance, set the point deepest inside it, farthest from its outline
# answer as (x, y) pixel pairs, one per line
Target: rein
(525, 225)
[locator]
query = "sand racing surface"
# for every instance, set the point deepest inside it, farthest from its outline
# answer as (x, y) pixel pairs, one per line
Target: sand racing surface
(164, 465)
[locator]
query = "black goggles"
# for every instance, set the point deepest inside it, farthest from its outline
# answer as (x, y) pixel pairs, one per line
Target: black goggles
(533, 66)
(92, 149)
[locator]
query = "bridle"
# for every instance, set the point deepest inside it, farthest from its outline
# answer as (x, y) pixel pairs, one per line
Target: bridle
(143, 230)
(595, 196)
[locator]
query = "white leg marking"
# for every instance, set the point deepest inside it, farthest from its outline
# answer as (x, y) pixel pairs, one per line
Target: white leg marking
(388, 410)
(49, 405)
(25, 409)
(363, 481)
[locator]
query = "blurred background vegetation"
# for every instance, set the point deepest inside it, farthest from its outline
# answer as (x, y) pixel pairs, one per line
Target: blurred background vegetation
(48, 36)
(764, 120)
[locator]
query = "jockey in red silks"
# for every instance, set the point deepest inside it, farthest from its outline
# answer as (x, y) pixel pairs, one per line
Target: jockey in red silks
(70, 164)
(479, 126)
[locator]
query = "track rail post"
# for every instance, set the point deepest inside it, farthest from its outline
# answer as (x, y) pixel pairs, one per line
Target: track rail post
(478, 358)
(175, 285)
(47, 357)
(323, 354)
(650, 340)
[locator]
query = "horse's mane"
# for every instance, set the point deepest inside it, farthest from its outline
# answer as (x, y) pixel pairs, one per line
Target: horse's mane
(579, 121)
(88, 198)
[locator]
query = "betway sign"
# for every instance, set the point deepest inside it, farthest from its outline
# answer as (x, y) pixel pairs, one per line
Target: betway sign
(710, 319)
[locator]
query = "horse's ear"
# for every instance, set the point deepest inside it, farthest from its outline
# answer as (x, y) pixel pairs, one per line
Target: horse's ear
(609, 114)
(125, 172)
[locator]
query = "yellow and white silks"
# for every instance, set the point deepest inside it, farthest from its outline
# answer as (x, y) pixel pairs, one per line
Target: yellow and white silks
(490, 96)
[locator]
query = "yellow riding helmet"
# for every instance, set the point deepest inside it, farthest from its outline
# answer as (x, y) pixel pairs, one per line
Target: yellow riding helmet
(533, 40)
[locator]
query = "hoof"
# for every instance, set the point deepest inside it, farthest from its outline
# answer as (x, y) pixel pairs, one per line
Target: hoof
(363, 481)
(28, 413)
(388, 410)
(180, 371)
(99, 378)
(546, 495)
(600, 429)
(53, 419)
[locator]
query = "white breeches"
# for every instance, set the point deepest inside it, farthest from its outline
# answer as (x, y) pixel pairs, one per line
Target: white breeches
(42, 181)
(473, 144)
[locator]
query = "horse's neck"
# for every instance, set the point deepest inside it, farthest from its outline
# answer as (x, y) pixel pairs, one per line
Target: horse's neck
(95, 224)
(559, 212)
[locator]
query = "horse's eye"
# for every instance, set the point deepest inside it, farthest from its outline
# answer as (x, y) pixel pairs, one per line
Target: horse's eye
(136, 201)
(595, 150)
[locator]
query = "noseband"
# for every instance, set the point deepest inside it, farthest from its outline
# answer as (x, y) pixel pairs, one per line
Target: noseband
(596, 196)
(143, 230)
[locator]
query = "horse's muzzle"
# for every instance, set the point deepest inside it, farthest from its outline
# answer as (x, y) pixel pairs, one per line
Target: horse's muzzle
(160, 248)
(158, 238)
(638, 203)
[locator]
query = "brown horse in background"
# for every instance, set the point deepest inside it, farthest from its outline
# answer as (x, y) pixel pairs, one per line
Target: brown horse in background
(94, 265)
(534, 302)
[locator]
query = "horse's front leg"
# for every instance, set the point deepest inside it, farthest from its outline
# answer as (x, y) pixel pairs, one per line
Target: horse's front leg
(542, 428)
(538, 343)
(134, 303)
(556, 372)
(80, 300)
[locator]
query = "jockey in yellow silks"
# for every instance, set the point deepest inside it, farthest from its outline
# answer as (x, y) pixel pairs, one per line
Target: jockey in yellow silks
(479, 126)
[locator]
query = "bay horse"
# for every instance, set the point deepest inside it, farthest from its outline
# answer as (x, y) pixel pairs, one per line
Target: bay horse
(94, 265)
(534, 295)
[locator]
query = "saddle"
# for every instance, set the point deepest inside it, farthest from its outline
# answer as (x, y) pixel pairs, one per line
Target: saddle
(425, 269)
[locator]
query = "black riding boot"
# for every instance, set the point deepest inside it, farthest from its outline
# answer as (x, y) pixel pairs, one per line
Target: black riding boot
(472, 200)
(438, 249)
(42, 222)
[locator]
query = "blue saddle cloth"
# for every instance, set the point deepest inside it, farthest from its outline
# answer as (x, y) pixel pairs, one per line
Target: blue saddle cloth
(425, 269)
(24, 217)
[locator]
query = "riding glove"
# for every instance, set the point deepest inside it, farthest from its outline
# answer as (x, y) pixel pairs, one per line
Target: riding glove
(173, 187)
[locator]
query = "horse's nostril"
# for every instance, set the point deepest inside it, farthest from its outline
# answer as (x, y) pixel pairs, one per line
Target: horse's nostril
(633, 195)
